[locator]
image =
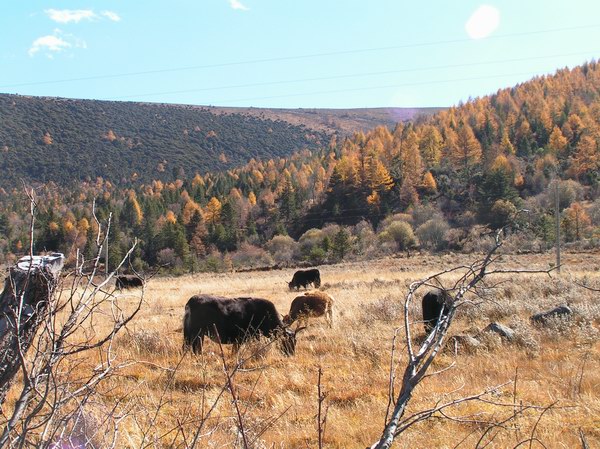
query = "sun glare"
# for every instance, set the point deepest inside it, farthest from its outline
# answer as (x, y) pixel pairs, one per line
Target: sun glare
(483, 22)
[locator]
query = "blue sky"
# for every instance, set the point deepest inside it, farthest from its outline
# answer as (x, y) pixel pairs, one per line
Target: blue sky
(289, 53)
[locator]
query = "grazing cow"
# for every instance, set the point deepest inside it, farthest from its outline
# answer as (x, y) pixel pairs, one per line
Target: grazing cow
(233, 321)
(302, 278)
(123, 281)
(435, 305)
(310, 304)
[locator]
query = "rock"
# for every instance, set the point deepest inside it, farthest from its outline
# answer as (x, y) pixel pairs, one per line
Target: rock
(564, 312)
(465, 343)
(500, 329)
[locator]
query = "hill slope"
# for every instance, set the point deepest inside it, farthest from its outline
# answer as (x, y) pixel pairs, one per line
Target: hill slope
(344, 121)
(45, 139)
(64, 140)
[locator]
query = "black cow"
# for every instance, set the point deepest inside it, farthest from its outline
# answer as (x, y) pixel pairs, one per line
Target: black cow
(436, 303)
(303, 278)
(123, 281)
(233, 321)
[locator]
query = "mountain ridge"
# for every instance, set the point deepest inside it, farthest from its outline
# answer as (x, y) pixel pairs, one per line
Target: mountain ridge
(64, 140)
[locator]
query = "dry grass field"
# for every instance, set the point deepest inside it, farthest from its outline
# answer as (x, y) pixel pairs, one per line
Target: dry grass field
(165, 395)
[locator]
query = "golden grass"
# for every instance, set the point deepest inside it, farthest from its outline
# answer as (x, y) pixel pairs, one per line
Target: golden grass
(558, 365)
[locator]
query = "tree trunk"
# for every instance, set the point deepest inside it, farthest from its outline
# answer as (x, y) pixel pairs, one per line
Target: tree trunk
(28, 290)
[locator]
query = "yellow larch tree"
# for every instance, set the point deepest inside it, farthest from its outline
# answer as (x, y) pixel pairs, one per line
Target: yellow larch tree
(47, 139)
(572, 128)
(467, 151)
(189, 210)
(430, 144)
(586, 158)
(252, 198)
(212, 211)
(412, 164)
(506, 145)
(557, 142)
(575, 222)
(198, 181)
(378, 177)
(429, 185)
(501, 163)
(170, 217)
(110, 136)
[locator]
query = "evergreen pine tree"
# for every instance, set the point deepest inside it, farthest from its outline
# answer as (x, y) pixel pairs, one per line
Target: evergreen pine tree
(341, 244)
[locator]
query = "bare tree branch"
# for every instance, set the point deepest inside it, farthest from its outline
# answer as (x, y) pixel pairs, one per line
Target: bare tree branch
(419, 360)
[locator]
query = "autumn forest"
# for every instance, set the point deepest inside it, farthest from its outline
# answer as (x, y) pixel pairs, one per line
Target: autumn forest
(425, 184)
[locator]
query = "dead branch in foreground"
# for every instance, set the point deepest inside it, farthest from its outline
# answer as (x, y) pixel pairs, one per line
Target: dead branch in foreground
(51, 336)
(420, 360)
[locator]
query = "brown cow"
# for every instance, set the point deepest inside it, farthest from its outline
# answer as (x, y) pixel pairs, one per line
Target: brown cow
(311, 304)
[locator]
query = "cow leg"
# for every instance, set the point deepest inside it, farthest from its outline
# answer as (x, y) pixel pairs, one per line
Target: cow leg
(329, 316)
(302, 320)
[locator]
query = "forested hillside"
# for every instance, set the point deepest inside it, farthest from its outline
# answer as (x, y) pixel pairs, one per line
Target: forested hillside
(43, 139)
(424, 184)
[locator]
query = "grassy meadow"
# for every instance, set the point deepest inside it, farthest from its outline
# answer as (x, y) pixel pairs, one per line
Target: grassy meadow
(165, 394)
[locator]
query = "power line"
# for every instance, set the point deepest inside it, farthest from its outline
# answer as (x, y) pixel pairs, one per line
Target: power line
(358, 89)
(296, 57)
(347, 76)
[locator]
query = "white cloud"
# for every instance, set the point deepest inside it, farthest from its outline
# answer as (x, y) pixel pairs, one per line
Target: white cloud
(70, 15)
(49, 43)
(55, 43)
(483, 22)
(111, 15)
(236, 4)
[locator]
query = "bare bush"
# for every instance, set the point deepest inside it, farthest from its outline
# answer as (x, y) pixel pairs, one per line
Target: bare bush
(432, 234)
(384, 309)
(282, 248)
(58, 381)
(249, 256)
(145, 342)
(424, 213)
(401, 233)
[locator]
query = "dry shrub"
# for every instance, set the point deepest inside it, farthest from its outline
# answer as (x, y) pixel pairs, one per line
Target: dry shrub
(556, 287)
(557, 327)
(525, 336)
(378, 283)
(477, 243)
(432, 234)
(490, 340)
(588, 310)
(282, 248)
(250, 256)
(386, 309)
(522, 242)
(573, 328)
(498, 310)
(147, 342)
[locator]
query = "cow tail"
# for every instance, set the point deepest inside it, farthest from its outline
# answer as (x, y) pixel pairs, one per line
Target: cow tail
(187, 326)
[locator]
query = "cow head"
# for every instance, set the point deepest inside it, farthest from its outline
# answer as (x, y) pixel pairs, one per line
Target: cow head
(291, 285)
(288, 340)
